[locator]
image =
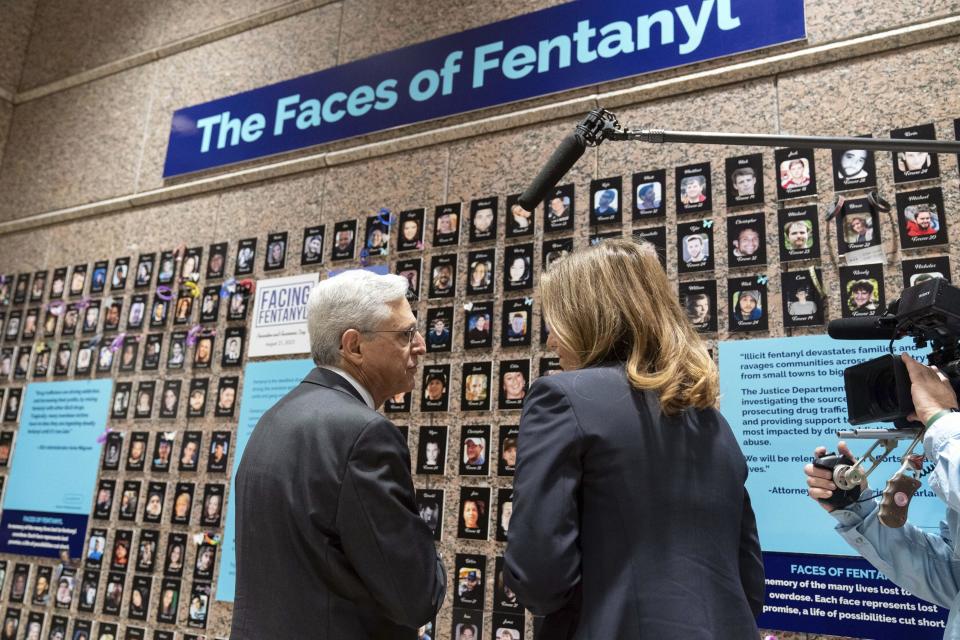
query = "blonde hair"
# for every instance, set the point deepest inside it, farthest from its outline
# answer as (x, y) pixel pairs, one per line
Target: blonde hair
(612, 301)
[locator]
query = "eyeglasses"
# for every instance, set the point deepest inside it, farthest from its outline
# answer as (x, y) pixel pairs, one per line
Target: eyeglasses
(410, 333)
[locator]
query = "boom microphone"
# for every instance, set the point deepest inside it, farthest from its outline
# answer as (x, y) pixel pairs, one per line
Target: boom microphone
(566, 155)
(871, 328)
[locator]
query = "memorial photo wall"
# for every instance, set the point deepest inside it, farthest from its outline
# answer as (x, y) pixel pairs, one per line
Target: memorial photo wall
(762, 242)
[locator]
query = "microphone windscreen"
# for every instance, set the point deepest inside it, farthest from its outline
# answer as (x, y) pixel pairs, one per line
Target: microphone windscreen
(870, 328)
(566, 155)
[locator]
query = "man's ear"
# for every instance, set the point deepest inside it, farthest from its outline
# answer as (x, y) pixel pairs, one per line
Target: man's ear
(350, 347)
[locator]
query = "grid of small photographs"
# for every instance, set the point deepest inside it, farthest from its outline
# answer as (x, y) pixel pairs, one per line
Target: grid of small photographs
(170, 326)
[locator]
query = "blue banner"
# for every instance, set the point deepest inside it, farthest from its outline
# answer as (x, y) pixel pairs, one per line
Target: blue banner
(783, 397)
(54, 468)
(264, 383)
(556, 49)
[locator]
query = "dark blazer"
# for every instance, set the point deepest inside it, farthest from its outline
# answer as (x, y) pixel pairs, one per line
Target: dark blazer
(329, 540)
(627, 523)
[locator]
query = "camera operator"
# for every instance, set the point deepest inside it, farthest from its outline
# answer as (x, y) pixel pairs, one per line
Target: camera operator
(925, 564)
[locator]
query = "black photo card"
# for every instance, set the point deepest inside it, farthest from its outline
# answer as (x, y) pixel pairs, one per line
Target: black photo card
(432, 450)
(519, 221)
(910, 166)
(514, 381)
(518, 267)
(746, 240)
(649, 194)
(922, 219)
(436, 388)
(802, 300)
(699, 300)
(475, 386)
(606, 201)
(446, 224)
(744, 180)
(410, 269)
(481, 267)
(312, 250)
(695, 246)
(748, 304)
(410, 234)
(443, 276)
(796, 173)
(799, 233)
(246, 256)
(854, 169)
(516, 321)
(439, 330)
(558, 207)
(923, 269)
(483, 219)
(862, 291)
(344, 240)
(473, 517)
(694, 194)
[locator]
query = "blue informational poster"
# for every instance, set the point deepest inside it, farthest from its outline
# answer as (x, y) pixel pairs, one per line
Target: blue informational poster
(556, 49)
(53, 472)
(264, 383)
(783, 397)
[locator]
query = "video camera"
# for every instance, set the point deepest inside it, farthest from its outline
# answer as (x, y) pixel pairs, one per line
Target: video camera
(878, 390)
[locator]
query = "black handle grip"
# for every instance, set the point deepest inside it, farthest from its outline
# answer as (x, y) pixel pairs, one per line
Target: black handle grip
(841, 498)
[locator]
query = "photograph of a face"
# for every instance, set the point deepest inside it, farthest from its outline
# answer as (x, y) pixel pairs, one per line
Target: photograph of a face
(167, 270)
(504, 599)
(182, 503)
(475, 386)
(137, 451)
(473, 522)
(98, 278)
(858, 225)
(478, 327)
(163, 451)
(177, 351)
(910, 166)
(170, 399)
(480, 271)
(144, 399)
(219, 452)
(518, 267)
(467, 623)
(399, 403)
(151, 352)
(695, 247)
(862, 290)
(344, 240)
(190, 267)
(58, 284)
(312, 251)
(78, 279)
(226, 396)
(217, 263)
(699, 300)
(694, 193)
(799, 233)
(483, 219)
(430, 506)
(446, 225)
(276, 258)
(746, 240)
(377, 236)
(246, 256)
(744, 180)
(606, 200)
(443, 276)
(471, 579)
(796, 173)
(439, 332)
(475, 450)
(145, 265)
(152, 513)
(558, 207)
(554, 250)
(649, 194)
(748, 304)
(921, 218)
(519, 221)
(514, 381)
(233, 341)
(435, 388)
(504, 513)
(516, 316)
(190, 451)
(410, 234)
(40, 285)
(802, 300)
(853, 169)
(212, 505)
(432, 450)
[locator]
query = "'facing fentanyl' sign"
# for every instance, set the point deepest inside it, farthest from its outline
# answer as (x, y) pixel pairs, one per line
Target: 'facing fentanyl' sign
(280, 316)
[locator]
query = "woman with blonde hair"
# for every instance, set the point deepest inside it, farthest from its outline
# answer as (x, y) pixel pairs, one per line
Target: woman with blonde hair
(630, 515)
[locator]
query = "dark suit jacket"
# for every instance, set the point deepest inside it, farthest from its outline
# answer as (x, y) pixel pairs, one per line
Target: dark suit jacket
(329, 540)
(627, 523)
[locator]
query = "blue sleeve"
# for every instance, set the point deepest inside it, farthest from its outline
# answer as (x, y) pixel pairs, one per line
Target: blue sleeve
(920, 562)
(542, 560)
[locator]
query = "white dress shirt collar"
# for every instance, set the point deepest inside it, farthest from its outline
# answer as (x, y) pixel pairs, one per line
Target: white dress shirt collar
(353, 381)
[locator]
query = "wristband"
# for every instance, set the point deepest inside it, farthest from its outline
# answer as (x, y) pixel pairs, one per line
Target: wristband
(938, 415)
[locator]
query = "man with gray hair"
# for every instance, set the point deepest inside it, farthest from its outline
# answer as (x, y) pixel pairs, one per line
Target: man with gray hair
(330, 543)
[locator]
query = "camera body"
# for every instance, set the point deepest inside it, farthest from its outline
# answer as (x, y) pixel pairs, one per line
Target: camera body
(878, 390)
